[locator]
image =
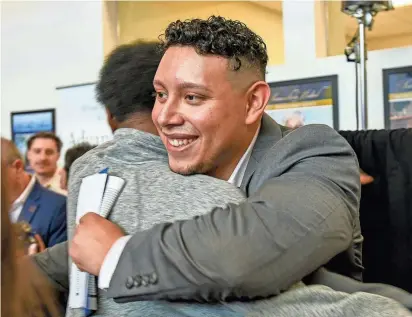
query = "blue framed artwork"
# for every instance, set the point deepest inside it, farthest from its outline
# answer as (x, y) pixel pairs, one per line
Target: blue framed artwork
(397, 91)
(26, 123)
(298, 102)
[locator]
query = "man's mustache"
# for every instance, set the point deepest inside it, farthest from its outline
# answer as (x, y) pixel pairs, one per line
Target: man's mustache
(42, 163)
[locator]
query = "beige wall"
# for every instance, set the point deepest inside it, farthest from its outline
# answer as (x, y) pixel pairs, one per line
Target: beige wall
(384, 42)
(147, 20)
(110, 26)
(379, 43)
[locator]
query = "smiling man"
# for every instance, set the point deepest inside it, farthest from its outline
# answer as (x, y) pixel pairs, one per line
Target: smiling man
(302, 186)
(42, 209)
(43, 153)
(198, 112)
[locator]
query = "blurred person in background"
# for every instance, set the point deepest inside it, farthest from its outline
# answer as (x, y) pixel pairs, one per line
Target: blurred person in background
(295, 120)
(72, 155)
(43, 153)
(23, 290)
(42, 209)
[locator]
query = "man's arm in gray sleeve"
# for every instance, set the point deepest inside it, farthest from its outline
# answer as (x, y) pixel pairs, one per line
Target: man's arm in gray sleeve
(299, 214)
(53, 263)
(348, 285)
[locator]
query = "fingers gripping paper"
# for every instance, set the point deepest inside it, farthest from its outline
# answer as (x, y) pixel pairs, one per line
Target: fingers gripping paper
(97, 192)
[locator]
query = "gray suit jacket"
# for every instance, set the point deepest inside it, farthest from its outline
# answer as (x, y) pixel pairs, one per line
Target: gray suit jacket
(301, 214)
(53, 262)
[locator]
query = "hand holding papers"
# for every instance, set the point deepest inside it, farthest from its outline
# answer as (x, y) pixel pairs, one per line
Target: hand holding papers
(97, 193)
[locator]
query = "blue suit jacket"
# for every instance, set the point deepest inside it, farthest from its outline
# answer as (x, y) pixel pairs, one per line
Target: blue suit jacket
(45, 211)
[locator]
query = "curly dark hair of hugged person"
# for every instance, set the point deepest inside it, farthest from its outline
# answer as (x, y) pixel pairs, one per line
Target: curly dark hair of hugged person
(125, 85)
(219, 36)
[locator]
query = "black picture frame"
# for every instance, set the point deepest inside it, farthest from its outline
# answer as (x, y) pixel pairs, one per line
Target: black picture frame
(393, 79)
(24, 124)
(305, 91)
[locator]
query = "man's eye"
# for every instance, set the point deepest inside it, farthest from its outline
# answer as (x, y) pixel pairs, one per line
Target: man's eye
(194, 98)
(160, 95)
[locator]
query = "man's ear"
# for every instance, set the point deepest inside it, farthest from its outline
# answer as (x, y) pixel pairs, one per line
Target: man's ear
(18, 164)
(111, 120)
(257, 96)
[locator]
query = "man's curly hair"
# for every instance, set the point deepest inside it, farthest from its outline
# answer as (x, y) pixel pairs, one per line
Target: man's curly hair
(219, 36)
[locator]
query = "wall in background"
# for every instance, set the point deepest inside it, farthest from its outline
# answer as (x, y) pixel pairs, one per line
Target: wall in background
(378, 60)
(385, 42)
(149, 19)
(44, 45)
(379, 43)
(390, 29)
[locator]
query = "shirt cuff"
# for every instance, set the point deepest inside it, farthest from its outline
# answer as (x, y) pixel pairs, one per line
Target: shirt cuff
(110, 262)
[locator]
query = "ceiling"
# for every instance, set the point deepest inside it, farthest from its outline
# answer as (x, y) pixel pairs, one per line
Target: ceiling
(273, 5)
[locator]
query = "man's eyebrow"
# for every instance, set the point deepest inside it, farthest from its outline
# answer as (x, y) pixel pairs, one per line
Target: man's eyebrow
(184, 85)
(158, 83)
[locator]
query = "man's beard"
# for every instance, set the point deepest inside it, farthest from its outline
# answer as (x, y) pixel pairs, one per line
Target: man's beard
(201, 168)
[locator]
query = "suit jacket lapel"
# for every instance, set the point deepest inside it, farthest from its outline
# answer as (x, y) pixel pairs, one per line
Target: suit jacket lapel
(270, 133)
(31, 205)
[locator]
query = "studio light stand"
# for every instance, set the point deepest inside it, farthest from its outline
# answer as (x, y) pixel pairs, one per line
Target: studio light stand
(356, 51)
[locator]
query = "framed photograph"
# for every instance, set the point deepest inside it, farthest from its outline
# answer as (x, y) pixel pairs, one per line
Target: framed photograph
(26, 123)
(397, 94)
(298, 102)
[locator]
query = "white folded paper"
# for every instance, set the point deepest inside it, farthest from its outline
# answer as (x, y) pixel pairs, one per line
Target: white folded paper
(98, 192)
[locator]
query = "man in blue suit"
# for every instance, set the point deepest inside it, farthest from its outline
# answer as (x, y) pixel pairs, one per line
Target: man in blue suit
(30, 202)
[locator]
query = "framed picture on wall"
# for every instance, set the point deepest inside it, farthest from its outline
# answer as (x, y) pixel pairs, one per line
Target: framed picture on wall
(397, 94)
(26, 123)
(298, 102)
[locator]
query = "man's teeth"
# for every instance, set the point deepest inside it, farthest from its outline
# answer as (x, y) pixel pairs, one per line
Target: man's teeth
(180, 142)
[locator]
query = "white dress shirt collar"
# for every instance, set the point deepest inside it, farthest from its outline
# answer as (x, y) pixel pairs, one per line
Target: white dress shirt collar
(17, 205)
(237, 176)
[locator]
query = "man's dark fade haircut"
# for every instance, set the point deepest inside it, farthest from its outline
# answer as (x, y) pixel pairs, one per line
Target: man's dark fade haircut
(125, 85)
(219, 36)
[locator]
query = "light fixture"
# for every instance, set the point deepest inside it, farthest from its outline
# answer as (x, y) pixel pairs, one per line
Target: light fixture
(364, 11)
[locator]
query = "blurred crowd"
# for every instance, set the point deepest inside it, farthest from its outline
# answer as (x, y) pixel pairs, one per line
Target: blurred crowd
(33, 211)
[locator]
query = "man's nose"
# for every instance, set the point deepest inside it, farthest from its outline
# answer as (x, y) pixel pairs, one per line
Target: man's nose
(170, 115)
(43, 156)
